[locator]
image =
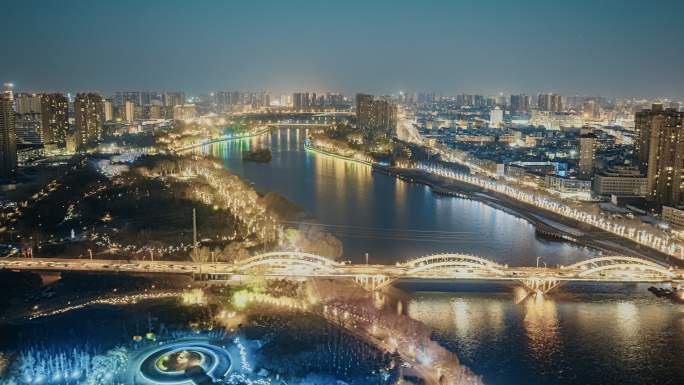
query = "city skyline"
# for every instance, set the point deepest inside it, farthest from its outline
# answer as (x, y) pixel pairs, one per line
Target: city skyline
(388, 192)
(583, 48)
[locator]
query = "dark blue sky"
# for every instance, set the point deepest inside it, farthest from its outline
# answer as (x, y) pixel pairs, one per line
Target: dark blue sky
(607, 47)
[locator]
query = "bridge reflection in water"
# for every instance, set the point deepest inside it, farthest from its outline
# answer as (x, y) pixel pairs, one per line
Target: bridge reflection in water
(374, 277)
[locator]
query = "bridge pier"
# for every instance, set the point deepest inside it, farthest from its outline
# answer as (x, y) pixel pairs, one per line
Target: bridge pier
(540, 285)
(373, 282)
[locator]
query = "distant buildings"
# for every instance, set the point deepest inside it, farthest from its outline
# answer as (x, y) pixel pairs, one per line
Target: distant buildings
(520, 104)
(8, 136)
(89, 113)
(587, 155)
(550, 102)
(172, 99)
(301, 101)
(376, 117)
(54, 110)
(184, 112)
(555, 120)
(659, 149)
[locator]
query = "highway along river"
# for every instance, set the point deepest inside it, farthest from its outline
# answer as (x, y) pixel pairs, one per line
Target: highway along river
(582, 334)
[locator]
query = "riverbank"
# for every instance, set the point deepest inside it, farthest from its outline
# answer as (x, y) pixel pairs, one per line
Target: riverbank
(226, 138)
(547, 223)
(336, 156)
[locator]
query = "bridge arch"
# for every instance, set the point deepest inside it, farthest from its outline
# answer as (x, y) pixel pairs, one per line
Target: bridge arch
(637, 269)
(288, 263)
(454, 264)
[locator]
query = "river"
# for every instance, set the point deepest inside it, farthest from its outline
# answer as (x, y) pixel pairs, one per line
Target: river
(582, 334)
(387, 218)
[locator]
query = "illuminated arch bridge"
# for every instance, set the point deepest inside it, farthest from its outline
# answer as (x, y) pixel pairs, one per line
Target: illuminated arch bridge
(450, 266)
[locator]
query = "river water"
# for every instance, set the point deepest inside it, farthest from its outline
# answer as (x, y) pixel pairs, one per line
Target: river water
(580, 334)
(387, 218)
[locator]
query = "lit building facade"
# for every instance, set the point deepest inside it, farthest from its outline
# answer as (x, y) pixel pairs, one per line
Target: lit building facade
(8, 136)
(55, 118)
(89, 113)
(376, 117)
(587, 155)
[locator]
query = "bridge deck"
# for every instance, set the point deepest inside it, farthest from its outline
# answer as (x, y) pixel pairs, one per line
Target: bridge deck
(292, 266)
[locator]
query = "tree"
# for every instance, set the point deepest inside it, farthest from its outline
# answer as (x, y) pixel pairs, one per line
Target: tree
(200, 254)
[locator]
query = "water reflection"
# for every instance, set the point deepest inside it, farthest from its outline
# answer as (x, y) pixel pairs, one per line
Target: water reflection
(388, 218)
(615, 335)
(541, 325)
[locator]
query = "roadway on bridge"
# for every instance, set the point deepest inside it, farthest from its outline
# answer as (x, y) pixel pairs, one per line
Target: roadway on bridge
(433, 267)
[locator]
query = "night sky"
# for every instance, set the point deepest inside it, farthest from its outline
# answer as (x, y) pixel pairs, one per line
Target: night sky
(606, 47)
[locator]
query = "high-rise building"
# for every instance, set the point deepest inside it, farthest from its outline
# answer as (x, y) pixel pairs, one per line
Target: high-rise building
(645, 121)
(54, 110)
(376, 117)
(660, 140)
(550, 102)
(587, 155)
(520, 104)
(301, 101)
(89, 111)
(28, 128)
(172, 99)
(129, 111)
(8, 135)
(26, 103)
(108, 110)
(139, 98)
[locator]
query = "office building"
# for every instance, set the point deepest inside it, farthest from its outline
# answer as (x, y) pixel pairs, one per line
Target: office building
(89, 113)
(54, 110)
(8, 136)
(620, 181)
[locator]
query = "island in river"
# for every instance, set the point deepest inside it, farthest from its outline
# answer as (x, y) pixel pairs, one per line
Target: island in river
(262, 155)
